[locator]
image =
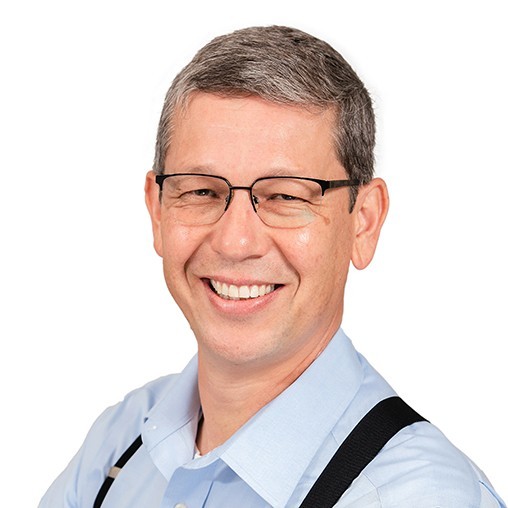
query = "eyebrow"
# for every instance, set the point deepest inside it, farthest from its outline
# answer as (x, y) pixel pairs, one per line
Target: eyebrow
(191, 169)
(284, 171)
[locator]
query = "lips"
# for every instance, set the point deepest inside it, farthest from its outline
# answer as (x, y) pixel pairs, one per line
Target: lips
(244, 292)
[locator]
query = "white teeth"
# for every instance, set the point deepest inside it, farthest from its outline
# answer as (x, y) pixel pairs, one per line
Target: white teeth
(244, 292)
(232, 292)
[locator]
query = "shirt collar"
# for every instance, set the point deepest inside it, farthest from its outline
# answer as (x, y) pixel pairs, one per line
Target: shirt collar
(283, 437)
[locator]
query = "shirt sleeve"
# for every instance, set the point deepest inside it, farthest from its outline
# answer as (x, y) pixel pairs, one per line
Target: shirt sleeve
(420, 468)
(84, 471)
(62, 492)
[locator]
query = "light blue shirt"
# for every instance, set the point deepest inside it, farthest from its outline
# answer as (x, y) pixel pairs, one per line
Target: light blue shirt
(274, 459)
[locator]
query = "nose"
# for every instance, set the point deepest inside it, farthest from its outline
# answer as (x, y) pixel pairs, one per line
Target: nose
(240, 234)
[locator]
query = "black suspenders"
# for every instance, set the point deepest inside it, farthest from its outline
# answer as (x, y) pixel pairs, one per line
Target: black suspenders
(127, 454)
(364, 442)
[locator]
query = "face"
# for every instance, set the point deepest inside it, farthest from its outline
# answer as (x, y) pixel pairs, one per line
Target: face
(218, 273)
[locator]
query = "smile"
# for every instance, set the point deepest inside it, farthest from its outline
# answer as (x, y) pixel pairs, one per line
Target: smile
(233, 292)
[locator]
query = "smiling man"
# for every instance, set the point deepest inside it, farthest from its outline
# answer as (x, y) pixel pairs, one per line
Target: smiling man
(261, 196)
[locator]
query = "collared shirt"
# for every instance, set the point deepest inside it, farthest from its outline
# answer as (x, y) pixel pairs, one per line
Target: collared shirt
(274, 459)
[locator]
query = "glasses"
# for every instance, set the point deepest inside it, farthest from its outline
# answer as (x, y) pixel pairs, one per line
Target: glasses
(279, 201)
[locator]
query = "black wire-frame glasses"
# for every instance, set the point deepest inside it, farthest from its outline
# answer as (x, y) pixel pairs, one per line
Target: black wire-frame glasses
(279, 201)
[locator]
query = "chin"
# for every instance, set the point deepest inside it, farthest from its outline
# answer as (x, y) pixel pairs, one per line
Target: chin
(234, 352)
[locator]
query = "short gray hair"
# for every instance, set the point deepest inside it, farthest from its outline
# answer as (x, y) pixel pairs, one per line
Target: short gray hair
(285, 66)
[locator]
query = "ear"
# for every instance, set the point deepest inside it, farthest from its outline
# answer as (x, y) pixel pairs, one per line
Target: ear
(370, 212)
(154, 209)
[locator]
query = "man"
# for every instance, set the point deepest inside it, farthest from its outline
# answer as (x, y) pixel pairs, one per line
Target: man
(262, 194)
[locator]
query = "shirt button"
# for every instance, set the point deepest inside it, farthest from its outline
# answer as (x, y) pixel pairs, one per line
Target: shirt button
(180, 505)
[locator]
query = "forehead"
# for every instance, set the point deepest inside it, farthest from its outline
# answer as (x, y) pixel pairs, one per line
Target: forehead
(212, 129)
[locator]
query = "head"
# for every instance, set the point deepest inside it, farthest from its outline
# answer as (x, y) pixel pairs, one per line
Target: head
(257, 103)
(284, 66)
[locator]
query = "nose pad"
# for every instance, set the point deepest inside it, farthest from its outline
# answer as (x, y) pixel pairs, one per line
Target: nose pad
(232, 191)
(229, 198)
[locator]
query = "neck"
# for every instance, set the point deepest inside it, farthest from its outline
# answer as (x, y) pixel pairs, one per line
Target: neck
(232, 396)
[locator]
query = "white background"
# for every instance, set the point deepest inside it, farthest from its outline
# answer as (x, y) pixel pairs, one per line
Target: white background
(85, 315)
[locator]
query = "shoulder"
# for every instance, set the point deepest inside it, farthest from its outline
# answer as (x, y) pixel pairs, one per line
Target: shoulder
(113, 431)
(419, 467)
(128, 415)
(116, 428)
(138, 403)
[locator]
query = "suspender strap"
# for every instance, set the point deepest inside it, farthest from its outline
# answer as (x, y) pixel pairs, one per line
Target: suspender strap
(365, 441)
(127, 454)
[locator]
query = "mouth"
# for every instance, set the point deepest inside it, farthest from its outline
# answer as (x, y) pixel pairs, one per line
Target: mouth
(244, 292)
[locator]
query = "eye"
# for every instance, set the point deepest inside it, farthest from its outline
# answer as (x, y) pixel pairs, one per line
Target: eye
(285, 197)
(204, 193)
(199, 194)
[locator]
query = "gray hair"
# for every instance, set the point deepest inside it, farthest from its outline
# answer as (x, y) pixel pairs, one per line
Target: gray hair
(285, 66)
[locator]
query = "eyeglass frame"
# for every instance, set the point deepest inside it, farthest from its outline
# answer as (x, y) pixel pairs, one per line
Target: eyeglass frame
(324, 184)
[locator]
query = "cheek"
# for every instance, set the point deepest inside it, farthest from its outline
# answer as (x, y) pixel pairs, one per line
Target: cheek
(323, 243)
(322, 253)
(308, 251)
(179, 244)
(302, 252)
(303, 238)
